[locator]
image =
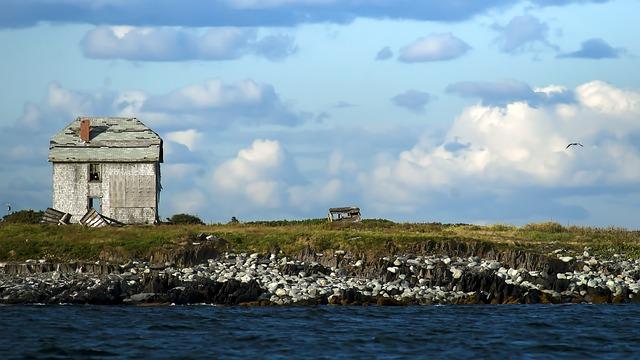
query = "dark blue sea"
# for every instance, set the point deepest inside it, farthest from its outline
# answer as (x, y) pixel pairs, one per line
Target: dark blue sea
(211, 332)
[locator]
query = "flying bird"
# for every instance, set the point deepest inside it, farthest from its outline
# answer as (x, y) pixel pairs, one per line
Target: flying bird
(572, 144)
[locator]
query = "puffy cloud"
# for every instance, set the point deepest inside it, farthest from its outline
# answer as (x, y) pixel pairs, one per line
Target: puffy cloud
(188, 138)
(384, 54)
(275, 47)
(522, 33)
(595, 49)
(75, 103)
(176, 44)
(260, 173)
(508, 91)
(506, 152)
(412, 100)
(245, 101)
(197, 13)
(605, 98)
(435, 47)
(213, 103)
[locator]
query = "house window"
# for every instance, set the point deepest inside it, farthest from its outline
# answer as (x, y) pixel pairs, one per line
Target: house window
(94, 173)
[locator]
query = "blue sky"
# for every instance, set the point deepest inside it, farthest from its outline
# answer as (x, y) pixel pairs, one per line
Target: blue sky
(412, 110)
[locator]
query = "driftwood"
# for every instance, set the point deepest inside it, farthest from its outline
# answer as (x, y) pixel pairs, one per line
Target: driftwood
(53, 216)
(94, 219)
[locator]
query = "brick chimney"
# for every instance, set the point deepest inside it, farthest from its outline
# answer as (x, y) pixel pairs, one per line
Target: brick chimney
(85, 129)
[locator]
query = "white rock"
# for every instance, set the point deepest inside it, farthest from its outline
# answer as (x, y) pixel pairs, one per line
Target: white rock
(566, 258)
(397, 262)
(358, 263)
(457, 273)
(281, 292)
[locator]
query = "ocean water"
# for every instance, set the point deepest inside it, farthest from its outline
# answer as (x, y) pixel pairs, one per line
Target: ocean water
(428, 332)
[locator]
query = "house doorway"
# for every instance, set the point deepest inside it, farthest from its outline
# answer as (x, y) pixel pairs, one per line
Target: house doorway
(95, 203)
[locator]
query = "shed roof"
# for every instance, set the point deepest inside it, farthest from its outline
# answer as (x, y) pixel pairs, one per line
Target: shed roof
(344, 209)
(112, 139)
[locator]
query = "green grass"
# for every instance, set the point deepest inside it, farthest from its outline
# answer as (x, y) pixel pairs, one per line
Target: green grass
(74, 242)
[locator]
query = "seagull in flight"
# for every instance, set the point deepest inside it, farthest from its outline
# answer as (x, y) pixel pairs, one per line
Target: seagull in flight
(573, 144)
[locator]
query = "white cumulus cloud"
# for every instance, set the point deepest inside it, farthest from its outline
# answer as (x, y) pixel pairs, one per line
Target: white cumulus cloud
(179, 44)
(517, 148)
(435, 47)
(260, 173)
(188, 138)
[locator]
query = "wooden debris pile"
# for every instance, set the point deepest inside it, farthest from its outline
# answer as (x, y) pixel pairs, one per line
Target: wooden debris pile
(55, 217)
(94, 219)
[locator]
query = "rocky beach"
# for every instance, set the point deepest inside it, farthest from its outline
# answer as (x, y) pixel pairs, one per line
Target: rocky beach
(447, 272)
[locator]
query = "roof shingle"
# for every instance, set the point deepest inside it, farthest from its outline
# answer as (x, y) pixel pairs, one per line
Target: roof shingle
(112, 139)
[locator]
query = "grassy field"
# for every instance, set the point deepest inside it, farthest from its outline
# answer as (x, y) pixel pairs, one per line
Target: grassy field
(74, 242)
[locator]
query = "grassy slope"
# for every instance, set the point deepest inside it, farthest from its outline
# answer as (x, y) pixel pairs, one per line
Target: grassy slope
(20, 242)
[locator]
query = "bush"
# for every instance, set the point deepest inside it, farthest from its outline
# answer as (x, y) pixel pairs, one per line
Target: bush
(548, 227)
(23, 217)
(286, 222)
(182, 219)
(501, 227)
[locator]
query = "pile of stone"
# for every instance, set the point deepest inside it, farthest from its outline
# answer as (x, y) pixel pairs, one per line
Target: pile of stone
(271, 279)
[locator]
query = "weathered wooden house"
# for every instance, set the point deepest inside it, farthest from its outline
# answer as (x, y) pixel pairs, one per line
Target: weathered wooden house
(110, 164)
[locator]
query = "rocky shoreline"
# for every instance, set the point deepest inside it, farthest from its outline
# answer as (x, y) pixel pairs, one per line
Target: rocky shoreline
(437, 273)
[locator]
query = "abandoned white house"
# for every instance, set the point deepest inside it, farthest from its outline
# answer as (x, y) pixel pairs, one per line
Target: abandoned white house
(110, 164)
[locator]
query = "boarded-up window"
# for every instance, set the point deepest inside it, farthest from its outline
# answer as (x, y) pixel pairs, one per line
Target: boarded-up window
(132, 191)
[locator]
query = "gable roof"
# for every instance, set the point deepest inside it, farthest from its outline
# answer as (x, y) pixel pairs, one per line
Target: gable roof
(112, 139)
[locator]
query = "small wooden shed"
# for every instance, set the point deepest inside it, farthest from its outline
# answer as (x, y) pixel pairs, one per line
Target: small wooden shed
(346, 214)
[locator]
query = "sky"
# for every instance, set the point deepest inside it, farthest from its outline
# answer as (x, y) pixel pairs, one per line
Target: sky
(421, 111)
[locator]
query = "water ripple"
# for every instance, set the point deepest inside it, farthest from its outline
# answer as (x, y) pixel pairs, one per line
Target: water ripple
(513, 332)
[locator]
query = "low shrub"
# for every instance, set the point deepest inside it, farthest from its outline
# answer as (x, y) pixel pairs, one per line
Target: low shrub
(184, 219)
(548, 227)
(23, 217)
(501, 227)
